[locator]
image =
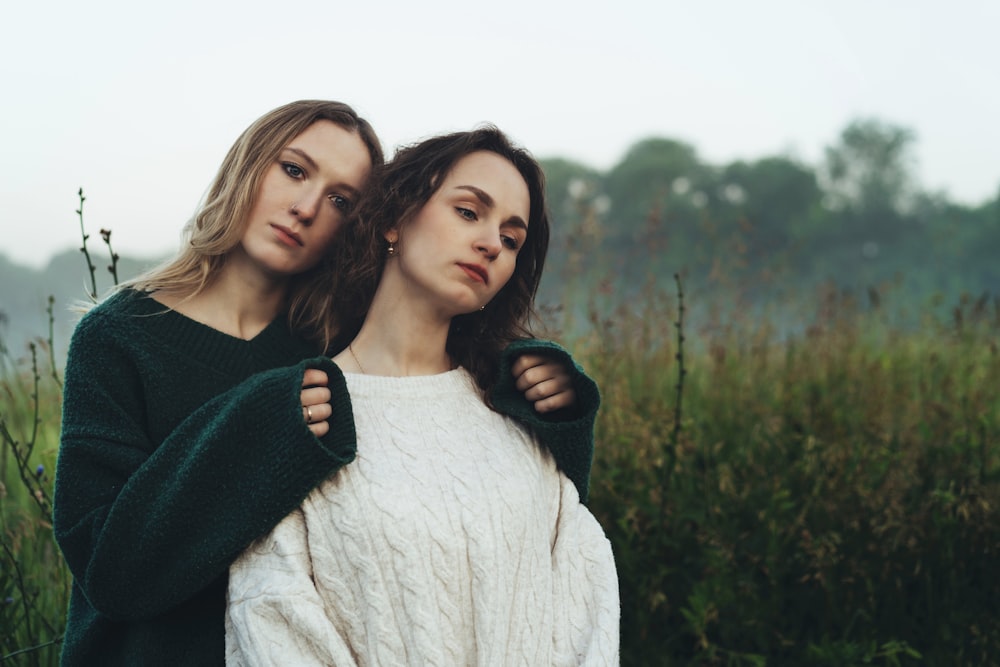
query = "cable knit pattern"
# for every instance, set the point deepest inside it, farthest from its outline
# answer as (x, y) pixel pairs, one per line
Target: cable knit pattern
(452, 539)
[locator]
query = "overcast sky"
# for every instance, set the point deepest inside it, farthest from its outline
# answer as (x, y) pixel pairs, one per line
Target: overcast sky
(138, 102)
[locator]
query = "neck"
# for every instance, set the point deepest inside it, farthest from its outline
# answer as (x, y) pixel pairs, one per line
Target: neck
(398, 338)
(236, 302)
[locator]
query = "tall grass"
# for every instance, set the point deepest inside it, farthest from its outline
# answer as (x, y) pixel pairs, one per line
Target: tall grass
(34, 582)
(833, 497)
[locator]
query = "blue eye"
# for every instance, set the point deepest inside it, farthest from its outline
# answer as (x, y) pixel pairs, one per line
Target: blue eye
(292, 169)
(510, 242)
(467, 213)
(341, 203)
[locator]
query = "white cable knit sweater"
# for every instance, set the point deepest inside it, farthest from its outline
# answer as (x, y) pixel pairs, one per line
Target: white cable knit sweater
(452, 540)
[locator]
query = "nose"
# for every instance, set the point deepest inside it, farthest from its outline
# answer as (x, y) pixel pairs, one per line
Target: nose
(305, 207)
(489, 244)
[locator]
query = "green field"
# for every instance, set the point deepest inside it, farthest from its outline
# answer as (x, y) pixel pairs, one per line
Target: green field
(830, 497)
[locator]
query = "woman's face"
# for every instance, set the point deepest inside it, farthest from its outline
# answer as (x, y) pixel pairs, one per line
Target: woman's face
(461, 247)
(303, 199)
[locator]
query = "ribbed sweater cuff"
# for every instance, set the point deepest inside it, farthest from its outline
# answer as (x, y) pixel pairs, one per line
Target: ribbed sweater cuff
(569, 433)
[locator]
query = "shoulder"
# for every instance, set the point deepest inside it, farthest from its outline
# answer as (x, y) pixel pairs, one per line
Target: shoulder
(116, 310)
(122, 317)
(121, 304)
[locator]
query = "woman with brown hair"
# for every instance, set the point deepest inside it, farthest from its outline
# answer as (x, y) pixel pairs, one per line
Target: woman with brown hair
(455, 537)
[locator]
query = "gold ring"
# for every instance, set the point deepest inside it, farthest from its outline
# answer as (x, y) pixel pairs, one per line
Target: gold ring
(309, 414)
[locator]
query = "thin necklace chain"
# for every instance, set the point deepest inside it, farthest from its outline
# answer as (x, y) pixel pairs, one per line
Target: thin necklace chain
(350, 349)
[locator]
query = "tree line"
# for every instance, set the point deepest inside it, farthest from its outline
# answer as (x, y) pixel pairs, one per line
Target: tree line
(755, 231)
(858, 220)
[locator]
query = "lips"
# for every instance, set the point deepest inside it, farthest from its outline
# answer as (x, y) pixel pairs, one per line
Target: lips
(286, 235)
(476, 272)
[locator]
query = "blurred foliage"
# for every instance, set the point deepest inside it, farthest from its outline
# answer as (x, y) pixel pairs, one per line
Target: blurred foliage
(833, 498)
(765, 230)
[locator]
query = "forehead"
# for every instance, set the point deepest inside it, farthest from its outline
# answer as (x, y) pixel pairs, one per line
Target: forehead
(483, 164)
(334, 147)
(496, 176)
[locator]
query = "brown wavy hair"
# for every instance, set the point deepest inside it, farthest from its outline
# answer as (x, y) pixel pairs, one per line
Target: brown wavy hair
(219, 224)
(397, 192)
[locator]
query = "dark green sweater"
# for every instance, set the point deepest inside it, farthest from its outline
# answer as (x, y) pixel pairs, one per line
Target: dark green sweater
(180, 445)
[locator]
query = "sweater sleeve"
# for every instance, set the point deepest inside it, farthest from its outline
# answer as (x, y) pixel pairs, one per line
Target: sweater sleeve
(144, 526)
(567, 433)
(584, 587)
(274, 613)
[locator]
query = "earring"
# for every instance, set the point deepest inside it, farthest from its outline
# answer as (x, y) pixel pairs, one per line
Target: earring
(391, 250)
(483, 307)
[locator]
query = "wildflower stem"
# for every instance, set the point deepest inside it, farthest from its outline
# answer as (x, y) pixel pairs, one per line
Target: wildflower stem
(681, 371)
(34, 398)
(83, 248)
(21, 587)
(51, 341)
(113, 266)
(675, 433)
(30, 649)
(22, 451)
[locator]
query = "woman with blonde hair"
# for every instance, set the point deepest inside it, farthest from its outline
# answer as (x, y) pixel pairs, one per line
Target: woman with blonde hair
(455, 537)
(199, 408)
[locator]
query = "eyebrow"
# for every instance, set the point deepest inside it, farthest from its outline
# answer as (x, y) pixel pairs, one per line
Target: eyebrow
(487, 201)
(312, 165)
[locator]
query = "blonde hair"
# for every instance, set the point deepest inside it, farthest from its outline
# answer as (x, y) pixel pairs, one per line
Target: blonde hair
(218, 226)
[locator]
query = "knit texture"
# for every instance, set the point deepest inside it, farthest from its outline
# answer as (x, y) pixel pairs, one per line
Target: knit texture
(452, 539)
(181, 445)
